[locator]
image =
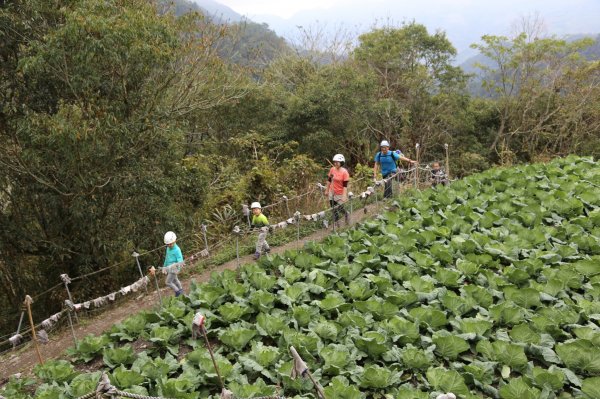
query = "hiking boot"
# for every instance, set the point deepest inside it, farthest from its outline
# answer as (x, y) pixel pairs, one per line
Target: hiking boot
(256, 255)
(267, 251)
(178, 293)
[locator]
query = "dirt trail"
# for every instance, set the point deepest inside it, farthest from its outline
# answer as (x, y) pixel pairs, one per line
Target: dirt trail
(25, 359)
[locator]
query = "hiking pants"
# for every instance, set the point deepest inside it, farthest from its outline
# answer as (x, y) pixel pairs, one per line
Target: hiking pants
(261, 243)
(387, 191)
(335, 201)
(173, 282)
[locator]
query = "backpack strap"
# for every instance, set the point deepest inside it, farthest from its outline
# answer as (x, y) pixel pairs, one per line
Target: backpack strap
(389, 154)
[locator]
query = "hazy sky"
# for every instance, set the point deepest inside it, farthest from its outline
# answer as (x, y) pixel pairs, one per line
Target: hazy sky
(464, 21)
(282, 8)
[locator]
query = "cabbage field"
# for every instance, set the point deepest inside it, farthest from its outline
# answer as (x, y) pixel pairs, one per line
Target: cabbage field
(488, 288)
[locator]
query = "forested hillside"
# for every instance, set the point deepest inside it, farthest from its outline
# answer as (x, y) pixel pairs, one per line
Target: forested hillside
(246, 42)
(477, 65)
(120, 120)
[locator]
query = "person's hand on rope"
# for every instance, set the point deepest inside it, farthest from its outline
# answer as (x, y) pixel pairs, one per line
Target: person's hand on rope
(152, 271)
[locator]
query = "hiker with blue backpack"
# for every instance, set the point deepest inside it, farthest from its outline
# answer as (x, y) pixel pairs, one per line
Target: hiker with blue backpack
(388, 160)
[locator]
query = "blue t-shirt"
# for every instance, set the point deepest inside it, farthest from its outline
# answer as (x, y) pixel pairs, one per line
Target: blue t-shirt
(387, 162)
(173, 255)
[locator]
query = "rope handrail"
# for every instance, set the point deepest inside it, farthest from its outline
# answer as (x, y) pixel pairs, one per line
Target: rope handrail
(93, 395)
(105, 389)
(28, 330)
(322, 214)
(116, 392)
(37, 296)
(92, 273)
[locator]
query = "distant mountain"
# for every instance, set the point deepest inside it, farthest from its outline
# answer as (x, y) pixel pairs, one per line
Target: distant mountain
(592, 52)
(219, 11)
(216, 11)
(470, 65)
(250, 44)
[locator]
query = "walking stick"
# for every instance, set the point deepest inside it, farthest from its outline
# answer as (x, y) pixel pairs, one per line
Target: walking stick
(417, 167)
(237, 232)
(301, 369)
(198, 325)
(137, 261)
(28, 301)
(67, 280)
(153, 272)
(212, 356)
(447, 163)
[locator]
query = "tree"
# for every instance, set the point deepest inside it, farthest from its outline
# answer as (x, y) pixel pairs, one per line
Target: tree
(420, 93)
(95, 97)
(544, 92)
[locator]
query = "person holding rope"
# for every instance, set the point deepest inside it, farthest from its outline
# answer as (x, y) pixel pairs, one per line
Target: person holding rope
(388, 161)
(337, 188)
(438, 176)
(260, 222)
(174, 259)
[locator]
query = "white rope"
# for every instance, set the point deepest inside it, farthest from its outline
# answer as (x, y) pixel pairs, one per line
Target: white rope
(320, 215)
(105, 299)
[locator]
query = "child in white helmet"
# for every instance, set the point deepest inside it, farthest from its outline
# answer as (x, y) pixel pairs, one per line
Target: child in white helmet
(174, 259)
(260, 221)
(337, 187)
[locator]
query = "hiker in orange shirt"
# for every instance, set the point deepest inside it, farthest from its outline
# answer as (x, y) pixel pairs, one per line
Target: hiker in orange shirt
(337, 187)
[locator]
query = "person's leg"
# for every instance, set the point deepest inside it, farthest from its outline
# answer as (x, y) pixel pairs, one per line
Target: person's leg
(341, 209)
(266, 248)
(260, 242)
(346, 214)
(335, 210)
(170, 282)
(177, 284)
(387, 192)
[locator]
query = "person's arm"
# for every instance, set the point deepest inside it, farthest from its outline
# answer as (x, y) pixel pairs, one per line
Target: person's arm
(265, 220)
(403, 158)
(345, 183)
(329, 181)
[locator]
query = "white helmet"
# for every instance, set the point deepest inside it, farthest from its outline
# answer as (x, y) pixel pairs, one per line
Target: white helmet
(170, 237)
(384, 143)
(339, 158)
(255, 205)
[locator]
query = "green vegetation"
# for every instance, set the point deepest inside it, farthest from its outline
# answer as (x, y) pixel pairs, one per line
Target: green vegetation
(120, 120)
(486, 288)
